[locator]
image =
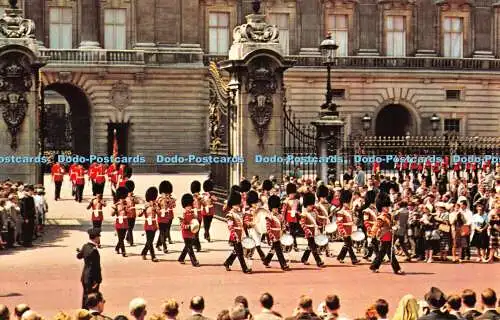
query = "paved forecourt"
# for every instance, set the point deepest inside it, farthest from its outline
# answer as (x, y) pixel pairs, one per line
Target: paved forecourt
(47, 276)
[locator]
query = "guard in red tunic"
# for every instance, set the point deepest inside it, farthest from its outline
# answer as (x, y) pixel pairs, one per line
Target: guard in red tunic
(150, 223)
(72, 178)
(245, 186)
(125, 177)
(291, 211)
(235, 225)
(187, 229)
(323, 209)
(100, 178)
(119, 210)
(166, 205)
(80, 182)
(249, 221)
(275, 231)
(57, 173)
(131, 202)
(92, 175)
(369, 221)
(112, 173)
(208, 209)
(197, 204)
(345, 222)
(457, 167)
(96, 204)
(310, 227)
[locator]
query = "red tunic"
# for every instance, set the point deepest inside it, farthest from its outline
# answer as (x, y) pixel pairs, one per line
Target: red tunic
(209, 209)
(80, 175)
(235, 226)
(344, 222)
(273, 228)
(457, 166)
(166, 205)
(307, 225)
(96, 210)
(376, 167)
(405, 165)
(57, 172)
(72, 173)
(93, 171)
(100, 174)
(131, 201)
(150, 223)
(122, 182)
(321, 216)
(186, 224)
(197, 207)
(113, 174)
(244, 200)
(248, 218)
(290, 207)
(120, 211)
(369, 220)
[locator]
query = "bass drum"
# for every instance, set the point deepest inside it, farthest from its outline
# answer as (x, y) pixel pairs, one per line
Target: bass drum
(286, 242)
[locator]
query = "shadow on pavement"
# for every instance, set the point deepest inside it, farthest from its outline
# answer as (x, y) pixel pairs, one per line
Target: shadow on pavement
(12, 294)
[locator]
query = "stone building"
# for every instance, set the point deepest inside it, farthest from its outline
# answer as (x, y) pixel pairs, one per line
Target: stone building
(140, 66)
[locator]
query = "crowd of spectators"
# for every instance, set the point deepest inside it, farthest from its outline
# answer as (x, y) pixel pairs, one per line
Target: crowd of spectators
(436, 305)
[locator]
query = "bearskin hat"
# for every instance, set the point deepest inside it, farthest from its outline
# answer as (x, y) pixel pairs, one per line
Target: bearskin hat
(165, 187)
(245, 186)
(234, 199)
(195, 186)
(252, 197)
(308, 199)
(322, 191)
(235, 188)
(345, 196)
(273, 202)
(187, 200)
(151, 194)
(267, 185)
(127, 172)
(291, 188)
(130, 185)
(208, 185)
(121, 193)
(383, 200)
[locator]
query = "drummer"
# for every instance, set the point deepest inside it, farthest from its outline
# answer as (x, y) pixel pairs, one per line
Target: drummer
(290, 211)
(323, 212)
(274, 231)
(309, 225)
(345, 223)
(250, 220)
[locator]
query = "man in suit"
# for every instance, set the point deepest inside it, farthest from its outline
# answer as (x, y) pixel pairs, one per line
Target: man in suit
(436, 299)
(469, 301)
(453, 304)
(197, 305)
(28, 214)
(304, 311)
(489, 301)
(267, 301)
(91, 275)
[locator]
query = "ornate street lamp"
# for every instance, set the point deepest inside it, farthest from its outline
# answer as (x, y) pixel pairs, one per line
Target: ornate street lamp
(435, 120)
(367, 123)
(328, 49)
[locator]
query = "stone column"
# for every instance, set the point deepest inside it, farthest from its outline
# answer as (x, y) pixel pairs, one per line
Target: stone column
(328, 129)
(145, 29)
(89, 26)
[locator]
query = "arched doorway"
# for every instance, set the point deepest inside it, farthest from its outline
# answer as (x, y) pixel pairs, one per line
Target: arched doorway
(67, 120)
(394, 120)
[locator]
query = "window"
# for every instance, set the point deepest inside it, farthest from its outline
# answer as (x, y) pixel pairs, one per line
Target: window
(218, 31)
(337, 25)
(395, 36)
(452, 125)
(452, 94)
(115, 32)
(453, 37)
(282, 21)
(61, 28)
(338, 93)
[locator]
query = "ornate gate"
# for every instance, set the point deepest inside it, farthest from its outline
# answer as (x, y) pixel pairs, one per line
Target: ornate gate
(219, 122)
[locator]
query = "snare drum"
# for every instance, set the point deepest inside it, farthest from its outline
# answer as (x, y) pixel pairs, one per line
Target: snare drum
(321, 241)
(331, 228)
(286, 242)
(358, 236)
(248, 245)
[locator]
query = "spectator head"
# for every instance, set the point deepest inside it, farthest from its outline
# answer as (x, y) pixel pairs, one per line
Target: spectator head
(267, 301)
(469, 298)
(454, 302)
(382, 308)
(224, 315)
(197, 304)
(332, 303)
(82, 314)
(120, 317)
(170, 308)
(137, 308)
(242, 300)
(238, 312)
(4, 312)
(407, 308)
(95, 301)
(20, 309)
(62, 316)
(489, 298)
(31, 315)
(305, 303)
(371, 313)
(435, 298)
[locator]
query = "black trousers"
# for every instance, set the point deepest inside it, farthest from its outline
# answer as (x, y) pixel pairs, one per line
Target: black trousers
(196, 242)
(207, 222)
(294, 231)
(312, 247)
(121, 241)
(57, 193)
(99, 188)
(150, 237)
(420, 247)
(9, 236)
(188, 250)
(162, 238)
(97, 223)
(94, 190)
(276, 247)
(130, 231)
(79, 192)
(373, 247)
(87, 289)
(27, 232)
(236, 253)
(403, 245)
(385, 250)
(347, 248)
(466, 248)
(167, 232)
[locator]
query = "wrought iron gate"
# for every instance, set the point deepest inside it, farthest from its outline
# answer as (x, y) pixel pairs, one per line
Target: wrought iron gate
(57, 131)
(219, 122)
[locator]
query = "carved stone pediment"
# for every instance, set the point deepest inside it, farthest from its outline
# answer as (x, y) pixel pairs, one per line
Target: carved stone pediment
(120, 95)
(454, 4)
(397, 4)
(348, 4)
(13, 25)
(256, 30)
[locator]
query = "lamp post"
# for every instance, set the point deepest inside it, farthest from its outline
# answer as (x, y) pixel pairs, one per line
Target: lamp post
(328, 126)
(367, 123)
(435, 120)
